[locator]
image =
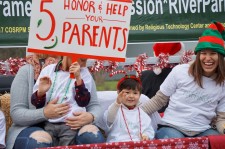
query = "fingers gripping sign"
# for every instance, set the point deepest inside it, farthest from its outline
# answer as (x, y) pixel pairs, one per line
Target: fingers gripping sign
(75, 69)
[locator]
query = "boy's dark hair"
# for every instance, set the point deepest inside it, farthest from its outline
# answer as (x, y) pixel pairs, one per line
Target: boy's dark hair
(129, 82)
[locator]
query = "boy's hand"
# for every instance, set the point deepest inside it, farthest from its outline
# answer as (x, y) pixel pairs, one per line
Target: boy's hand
(121, 96)
(75, 69)
(44, 85)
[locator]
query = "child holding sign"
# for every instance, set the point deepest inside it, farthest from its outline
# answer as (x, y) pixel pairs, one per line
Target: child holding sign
(55, 85)
(124, 119)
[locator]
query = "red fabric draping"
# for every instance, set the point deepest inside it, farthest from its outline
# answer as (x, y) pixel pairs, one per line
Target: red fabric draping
(184, 143)
(217, 142)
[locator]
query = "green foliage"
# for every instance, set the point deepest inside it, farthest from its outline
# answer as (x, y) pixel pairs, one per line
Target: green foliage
(102, 83)
(107, 86)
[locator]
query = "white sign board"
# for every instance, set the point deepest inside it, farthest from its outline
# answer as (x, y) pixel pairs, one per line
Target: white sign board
(80, 28)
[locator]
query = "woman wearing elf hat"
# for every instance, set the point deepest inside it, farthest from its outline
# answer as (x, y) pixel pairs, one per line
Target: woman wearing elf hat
(196, 91)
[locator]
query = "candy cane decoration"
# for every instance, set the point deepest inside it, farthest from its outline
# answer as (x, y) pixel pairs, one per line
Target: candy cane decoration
(186, 57)
(140, 63)
(117, 72)
(97, 66)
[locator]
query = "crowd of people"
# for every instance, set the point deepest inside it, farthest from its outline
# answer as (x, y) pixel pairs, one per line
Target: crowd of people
(49, 108)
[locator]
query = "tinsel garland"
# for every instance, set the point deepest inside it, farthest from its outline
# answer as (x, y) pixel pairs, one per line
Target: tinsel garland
(186, 57)
(140, 64)
(98, 65)
(163, 62)
(12, 65)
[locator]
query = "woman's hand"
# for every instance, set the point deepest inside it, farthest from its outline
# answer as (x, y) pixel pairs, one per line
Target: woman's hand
(55, 110)
(79, 119)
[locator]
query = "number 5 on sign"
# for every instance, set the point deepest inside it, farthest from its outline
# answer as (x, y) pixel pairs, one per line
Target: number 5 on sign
(43, 10)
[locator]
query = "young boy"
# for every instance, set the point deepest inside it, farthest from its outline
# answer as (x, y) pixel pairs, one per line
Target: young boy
(124, 119)
(54, 83)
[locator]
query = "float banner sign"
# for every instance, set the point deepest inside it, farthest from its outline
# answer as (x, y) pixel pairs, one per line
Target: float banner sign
(95, 29)
(14, 22)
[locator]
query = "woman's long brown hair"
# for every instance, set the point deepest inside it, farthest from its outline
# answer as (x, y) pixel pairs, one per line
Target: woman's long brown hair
(196, 70)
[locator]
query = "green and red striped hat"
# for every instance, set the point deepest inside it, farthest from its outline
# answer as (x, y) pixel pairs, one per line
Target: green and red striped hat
(212, 38)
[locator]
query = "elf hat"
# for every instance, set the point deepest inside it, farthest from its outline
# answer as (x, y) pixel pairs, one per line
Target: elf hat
(212, 38)
(171, 48)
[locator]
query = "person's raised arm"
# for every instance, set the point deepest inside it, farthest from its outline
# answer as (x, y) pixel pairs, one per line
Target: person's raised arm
(38, 98)
(82, 95)
(114, 107)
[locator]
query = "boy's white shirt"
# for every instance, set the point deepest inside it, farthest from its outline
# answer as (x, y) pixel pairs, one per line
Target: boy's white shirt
(118, 132)
(2, 129)
(106, 98)
(60, 85)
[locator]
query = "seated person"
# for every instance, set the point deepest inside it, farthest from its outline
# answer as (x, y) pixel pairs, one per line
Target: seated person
(55, 84)
(195, 91)
(27, 129)
(125, 120)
